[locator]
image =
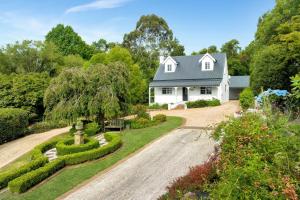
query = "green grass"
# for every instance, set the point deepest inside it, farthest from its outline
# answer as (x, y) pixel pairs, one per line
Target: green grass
(68, 178)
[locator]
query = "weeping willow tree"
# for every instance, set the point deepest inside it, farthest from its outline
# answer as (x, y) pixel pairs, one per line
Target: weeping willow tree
(99, 92)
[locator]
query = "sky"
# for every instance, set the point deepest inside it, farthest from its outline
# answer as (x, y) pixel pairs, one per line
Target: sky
(196, 24)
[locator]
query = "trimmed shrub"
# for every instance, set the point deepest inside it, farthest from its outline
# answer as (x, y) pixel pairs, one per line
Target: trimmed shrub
(23, 183)
(91, 129)
(13, 123)
(114, 140)
(203, 103)
(67, 146)
(44, 126)
(246, 98)
(157, 106)
(140, 123)
(11, 174)
(141, 112)
(160, 118)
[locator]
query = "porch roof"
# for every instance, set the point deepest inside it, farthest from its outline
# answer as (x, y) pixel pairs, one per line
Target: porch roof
(186, 83)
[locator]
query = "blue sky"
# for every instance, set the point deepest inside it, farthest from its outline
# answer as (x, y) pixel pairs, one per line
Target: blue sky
(196, 23)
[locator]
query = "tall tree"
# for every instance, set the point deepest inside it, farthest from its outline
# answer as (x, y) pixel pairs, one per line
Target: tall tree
(100, 46)
(150, 38)
(68, 41)
(210, 49)
(276, 46)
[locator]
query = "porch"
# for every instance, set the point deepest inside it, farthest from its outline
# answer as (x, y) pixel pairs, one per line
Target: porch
(174, 95)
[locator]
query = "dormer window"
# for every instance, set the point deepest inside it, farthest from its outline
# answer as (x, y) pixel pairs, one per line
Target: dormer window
(207, 65)
(169, 67)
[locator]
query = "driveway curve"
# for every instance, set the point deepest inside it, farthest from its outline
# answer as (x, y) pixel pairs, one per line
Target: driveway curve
(146, 175)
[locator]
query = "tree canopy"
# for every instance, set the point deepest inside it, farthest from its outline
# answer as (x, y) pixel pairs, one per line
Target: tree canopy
(100, 91)
(68, 41)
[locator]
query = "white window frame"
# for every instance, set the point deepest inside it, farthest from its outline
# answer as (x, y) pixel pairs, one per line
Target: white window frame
(169, 67)
(207, 65)
(207, 90)
(166, 91)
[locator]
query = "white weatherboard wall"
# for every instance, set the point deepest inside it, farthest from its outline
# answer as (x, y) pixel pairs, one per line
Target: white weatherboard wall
(167, 98)
(194, 94)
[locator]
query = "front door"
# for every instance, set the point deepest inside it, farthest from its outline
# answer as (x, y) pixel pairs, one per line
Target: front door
(185, 94)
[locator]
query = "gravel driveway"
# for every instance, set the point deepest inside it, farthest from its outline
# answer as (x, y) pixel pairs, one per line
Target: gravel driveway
(146, 175)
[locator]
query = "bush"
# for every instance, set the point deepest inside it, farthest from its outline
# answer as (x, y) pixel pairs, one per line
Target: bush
(246, 98)
(13, 123)
(91, 129)
(141, 112)
(67, 146)
(140, 123)
(44, 126)
(23, 183)
(157, 106)
(11, 174)
(114, 142)
(203, 103)
(160, 118)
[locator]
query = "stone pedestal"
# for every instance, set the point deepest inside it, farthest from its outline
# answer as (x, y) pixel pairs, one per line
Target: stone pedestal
(78, 136)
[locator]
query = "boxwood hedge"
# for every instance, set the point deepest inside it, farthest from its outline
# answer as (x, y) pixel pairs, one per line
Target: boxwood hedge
(67, 146)
(13, 123)
(26, 181)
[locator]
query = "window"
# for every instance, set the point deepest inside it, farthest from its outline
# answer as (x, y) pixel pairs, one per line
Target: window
(166, 90)
(205, 90)
(207, 65)
(169, 68)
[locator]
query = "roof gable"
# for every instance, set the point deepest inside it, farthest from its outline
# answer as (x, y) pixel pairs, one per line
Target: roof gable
(207, 55)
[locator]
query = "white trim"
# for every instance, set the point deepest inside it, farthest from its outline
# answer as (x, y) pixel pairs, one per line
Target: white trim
(207, 55)
(169, 58)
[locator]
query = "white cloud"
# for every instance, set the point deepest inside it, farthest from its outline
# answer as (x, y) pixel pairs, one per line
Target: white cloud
(100, 4)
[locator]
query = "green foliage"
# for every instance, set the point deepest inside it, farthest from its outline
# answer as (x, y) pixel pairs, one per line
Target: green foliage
(140, 122)
(257, 160)
(210, 49)
(203, 103)
(13, 124)
(30, 56)
(7, 176)
(141, 111)
(44, 126)
(114, 142)
(24, 91)
(73, 61)
(92, 129)
(67, 146)
(25, 182)
(246, 98)
(68, 41)
(157, 106)
(296, 86)
(160, 118)
(101, 91)
(275, 50)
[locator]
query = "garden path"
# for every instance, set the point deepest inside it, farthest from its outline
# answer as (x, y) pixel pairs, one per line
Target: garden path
(12, 150)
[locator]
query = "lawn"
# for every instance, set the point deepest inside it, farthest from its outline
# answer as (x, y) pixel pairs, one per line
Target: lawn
(70, 177)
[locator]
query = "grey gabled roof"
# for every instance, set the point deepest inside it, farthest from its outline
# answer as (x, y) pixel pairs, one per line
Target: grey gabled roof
(186, 83)
(239, 81)
(189, 68)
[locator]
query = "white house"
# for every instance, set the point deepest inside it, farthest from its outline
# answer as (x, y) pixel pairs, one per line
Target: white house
(189, 78)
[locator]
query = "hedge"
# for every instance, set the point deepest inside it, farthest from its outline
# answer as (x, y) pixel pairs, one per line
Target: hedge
(9, 175)
(28, 180)
(203, 103)
(246, 98)
(13, 123)
(25, 182)
(91, 129)
(160, 118)
(114, 140)
(67, 146)
(44, 126)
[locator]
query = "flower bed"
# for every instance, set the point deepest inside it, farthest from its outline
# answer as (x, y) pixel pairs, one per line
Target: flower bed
(203, 103)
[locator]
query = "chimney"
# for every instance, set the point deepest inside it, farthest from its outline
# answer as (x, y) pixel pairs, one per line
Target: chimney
(161, 59)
